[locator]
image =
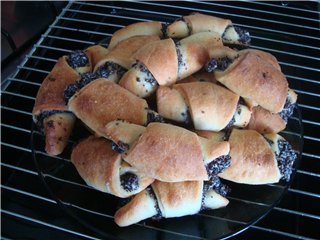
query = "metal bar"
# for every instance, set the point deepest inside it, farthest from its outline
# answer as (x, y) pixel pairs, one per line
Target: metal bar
(294, 212)
(308, 173)
(15, 128)
(284, 52)
(53, 48)
(286, 234)
(311, 122)
(310, 155)
(276, 6)
(311, 138)
(93, 22)
(18, 168)
(27, 193)
(16, 147)
(24, 81)
(256, 10)
(33, 69)
(303, 79)
(309, 107)
(41, 58)
(18, 95)
(16, 110)
(285, 42)
(210, 11)
(70, 39)
(307, 93)
(78, 30)
(304, 192)
(45, 224)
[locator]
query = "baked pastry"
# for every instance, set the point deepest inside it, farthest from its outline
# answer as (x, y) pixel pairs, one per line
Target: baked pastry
(169, 200)
(256, 158)
(136, 29)
(180, 59)
(208, 105)
(197, 22)
(104, 169)
(264, 121)
(252, 77)
(102, 101)
(50, 112)
(167, 152)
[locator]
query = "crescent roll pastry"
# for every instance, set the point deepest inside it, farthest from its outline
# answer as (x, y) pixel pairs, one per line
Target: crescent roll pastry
(264, 121)
(256, 158)
(180, 59)
(252, 77)
(104, 169)
(136, 29)
(50, 111)
(167, 152)
(169, 200)
(197, 22)
(103, 101)
(210, 106)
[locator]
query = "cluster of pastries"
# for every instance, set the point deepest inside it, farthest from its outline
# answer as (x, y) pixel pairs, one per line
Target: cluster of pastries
(170, 109)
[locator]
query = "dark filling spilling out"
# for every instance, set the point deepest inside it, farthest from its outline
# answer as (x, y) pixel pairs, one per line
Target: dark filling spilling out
(72, 88)
(215, 184)
(287, 110)
(77, 59)
(149, 78)
(154, 117)
(129, 181)
(285, 158)
(151, 193)
(220, 64)
(179, 55)
(38, 119)
(120, 146)
(244, 35)
(218, 165)
(164, 27)
(110, 68)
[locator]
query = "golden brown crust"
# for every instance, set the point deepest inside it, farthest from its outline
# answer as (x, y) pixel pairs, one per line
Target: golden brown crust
(211, 135)
(205, 23)
(211, 106)
(171, 104)
(209, 40)
(157, 56)
(103, 101)
(57, 129)
(178, 199)
(51, 92)
(96, 53)
(135, 29)
(252, 159)
(141, 206)
(263, 121)
(168, 153)
(194, 56)
(123, 51)
(97, 163)
(213, 149)
(100, 167)
(252, 77)
(265, 56)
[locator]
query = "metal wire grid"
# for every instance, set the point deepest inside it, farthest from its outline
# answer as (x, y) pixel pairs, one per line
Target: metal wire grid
(61, 38)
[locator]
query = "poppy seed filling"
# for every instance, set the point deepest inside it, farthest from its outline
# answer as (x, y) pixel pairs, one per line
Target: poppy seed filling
(120, 146)
(287, 110)
(72, 88)
(129, 181)
(77, 59)
(220, 64)
(218, 165)
(110, 68)
(151, 193)
(285, 158)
